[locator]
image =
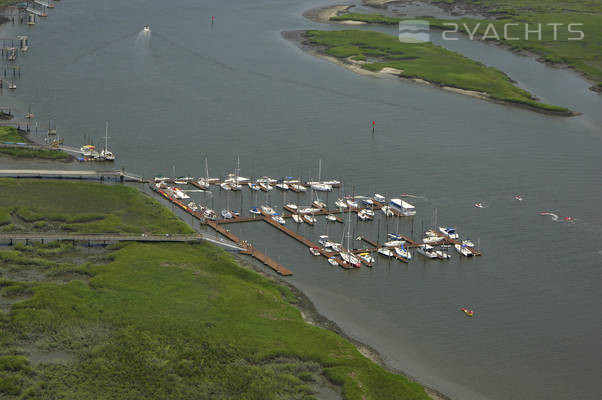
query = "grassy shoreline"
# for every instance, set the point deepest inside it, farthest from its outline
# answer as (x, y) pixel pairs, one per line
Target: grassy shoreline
(175, 321)
(583, 56)
(13, 135)
(375, 52)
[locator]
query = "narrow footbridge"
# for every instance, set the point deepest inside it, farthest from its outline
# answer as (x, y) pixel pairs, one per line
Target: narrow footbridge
(105, 238)
(70, 174)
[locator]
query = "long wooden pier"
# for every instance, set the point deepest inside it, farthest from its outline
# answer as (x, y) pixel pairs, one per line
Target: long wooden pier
(70, 174)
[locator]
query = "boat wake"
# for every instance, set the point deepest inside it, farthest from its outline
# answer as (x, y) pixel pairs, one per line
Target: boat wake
(414, 196)
(481, 205)
(556, 218)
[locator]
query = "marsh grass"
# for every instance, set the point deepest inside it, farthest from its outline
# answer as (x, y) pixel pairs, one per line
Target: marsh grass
(424, 61)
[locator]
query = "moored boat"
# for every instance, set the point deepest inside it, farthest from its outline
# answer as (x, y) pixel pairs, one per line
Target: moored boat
(297, 218)
(403, 252)
(449, 232)
(464, 250)
(331, 218)
(268, 210)
(314, 251)
(385, 251)
(255, 210)
(427, 251)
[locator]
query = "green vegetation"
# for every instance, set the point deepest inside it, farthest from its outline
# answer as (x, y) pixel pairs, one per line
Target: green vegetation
(583, 55)
(11, 134)
(145, 321)
(424, 61)
(82, 207)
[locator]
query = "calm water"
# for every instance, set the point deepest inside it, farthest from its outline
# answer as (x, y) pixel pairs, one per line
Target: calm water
(237, 88)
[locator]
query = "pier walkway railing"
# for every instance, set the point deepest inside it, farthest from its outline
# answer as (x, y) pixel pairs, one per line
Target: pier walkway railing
(112, 237)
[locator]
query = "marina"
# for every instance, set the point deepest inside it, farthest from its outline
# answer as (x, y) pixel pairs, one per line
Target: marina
(399, 249)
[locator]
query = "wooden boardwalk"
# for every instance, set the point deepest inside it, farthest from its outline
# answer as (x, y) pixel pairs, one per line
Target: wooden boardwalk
(69, 174)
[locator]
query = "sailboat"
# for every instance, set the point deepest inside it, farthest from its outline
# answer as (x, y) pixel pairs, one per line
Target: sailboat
(350, 259)
(107, 154)
(204, 182)
(319, 185)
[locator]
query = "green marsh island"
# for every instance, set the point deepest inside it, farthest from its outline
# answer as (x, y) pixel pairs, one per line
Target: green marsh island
(365, 51)
(155, 321)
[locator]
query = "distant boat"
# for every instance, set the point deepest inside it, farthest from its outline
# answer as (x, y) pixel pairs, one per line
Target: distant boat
(298, 187)
(331, 218)
(297, 218)
(321, 187)
(366, 259)
(282, 186)
(314, 251)
(310, 219)
(333, 261)
(403, 252)
(227, 214)
(253, 186)
(340, 203)
(146, 28)
(518, 197)
(318, 203)
(255, 210)
(466, 311)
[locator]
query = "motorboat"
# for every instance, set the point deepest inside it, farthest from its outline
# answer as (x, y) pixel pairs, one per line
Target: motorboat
(203, 184)
(352, 203)
(387, 211)
(235, 186)
(427, 251)
(379, 198)
(318, 204)
(468, 242)
(333, 261)
(394, 243)
(351, 259)
(282, 186)
(180, 194)
(432, 239)
(268, 210)
(332, 182)
(291, 206)
(278, 219)
(323, 239)
(394, 236)
(340, 203)
(210, 214)
(146, 28)
(403, 253)
(518, 197)
(368, 212)
(225, 186)
(236, 213)
(366, 259)
(363, 215)
(403, 207)
(307, 210)
(466, 311)
(449, 232)
(192, 205)
(336, 246)
(227, 214)
(331, 218)
(255, 210)
(464, 250)
(314, 251)
(88, 150)
(253, 186)
(385, 251)
(297, 218)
